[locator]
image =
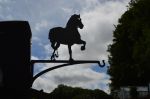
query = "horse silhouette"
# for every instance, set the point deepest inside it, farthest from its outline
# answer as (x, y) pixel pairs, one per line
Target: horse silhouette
(67, 36)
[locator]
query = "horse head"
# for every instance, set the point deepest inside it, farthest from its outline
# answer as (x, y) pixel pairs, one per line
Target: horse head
(79, 22)
(75, 21)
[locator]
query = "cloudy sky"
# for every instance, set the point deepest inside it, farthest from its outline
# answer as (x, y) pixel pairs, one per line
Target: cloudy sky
(98, 17)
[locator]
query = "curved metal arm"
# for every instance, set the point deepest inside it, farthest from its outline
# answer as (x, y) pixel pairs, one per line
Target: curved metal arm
(67, 63)
(47, 70)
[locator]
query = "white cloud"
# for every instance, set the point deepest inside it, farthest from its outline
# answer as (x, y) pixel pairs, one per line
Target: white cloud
(98, 30)
(74, 76)
(98, 16)
(34, 58)
(41, 25)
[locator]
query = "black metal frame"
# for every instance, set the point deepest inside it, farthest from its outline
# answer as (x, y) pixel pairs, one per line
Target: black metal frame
(66, 63)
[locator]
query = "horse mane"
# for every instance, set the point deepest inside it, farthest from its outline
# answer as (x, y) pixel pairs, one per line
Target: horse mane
(71, 20)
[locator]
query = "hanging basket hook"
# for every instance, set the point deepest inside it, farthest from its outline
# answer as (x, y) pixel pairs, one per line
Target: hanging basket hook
(101, 65)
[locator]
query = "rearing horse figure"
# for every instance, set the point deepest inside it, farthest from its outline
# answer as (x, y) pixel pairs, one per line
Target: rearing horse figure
(68, 36)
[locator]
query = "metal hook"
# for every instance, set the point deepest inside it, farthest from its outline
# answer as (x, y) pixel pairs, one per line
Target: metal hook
(101, 65)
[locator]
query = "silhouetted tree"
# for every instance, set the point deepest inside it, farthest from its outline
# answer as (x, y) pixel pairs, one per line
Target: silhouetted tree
(65, 92)
(130, 51)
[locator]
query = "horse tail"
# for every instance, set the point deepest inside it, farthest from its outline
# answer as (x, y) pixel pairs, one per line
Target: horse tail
(54, 44)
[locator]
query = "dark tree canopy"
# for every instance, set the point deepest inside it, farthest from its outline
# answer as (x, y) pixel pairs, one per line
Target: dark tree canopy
(130, 51)
(66, 92)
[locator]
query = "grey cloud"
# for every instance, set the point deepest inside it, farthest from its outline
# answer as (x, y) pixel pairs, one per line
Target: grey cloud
(98, 22)
(98, 17)
(72, 76)
(71, 79)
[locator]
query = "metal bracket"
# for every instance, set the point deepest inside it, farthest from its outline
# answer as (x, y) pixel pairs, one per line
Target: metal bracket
(66, 63)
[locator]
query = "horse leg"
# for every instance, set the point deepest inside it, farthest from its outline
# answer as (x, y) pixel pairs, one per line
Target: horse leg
(55, 46)
(56, 49)
(84, 44)
(70, 52)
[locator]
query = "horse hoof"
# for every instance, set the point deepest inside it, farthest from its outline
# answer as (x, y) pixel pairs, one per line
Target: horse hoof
(56, 56)
(82, 48)
(52, 58)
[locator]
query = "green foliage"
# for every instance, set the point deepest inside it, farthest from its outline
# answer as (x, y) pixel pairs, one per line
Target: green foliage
(65, 92)
(130, 51)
